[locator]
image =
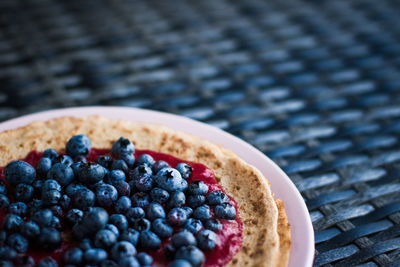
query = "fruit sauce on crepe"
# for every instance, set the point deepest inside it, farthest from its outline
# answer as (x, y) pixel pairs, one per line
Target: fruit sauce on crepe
(95, 203)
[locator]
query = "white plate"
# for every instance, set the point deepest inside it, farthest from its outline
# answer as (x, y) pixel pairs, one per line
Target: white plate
(302, 250)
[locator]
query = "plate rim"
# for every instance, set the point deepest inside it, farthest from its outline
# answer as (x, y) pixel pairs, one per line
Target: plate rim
(298, 216)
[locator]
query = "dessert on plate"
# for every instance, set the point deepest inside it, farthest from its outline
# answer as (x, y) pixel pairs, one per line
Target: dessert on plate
(95, 191)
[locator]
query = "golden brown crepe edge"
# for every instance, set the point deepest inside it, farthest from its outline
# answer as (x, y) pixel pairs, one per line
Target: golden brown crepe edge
(284, 234)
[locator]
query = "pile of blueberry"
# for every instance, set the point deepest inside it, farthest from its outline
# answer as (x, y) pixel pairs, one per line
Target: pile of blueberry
(108, 209)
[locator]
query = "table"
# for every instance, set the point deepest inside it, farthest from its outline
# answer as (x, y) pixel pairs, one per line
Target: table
(315, 85)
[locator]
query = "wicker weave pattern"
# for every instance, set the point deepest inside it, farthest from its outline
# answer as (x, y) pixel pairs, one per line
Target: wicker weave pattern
(313, 84)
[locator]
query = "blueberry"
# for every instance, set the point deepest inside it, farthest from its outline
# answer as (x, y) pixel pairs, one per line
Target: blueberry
(168, 179)
(159, 195)
(154, 211)
(149, 240)
(217, 197)
(161, 228)
(105, 239)
(64, 159)
(193, 225)
(225, 211)
(18, 172)
(123, 204)
(122, 146)
(95, 186)
(158, 165)
(106, 195)
(3, 188)
(122, 249)
(180, 263)
(65, 201)
(24, 261)
(196, 200)
(113, 229)
(214, 225)
(95, 255)
(43, 217)
(18, 242)
(144, 183)
(141, 170)
(96, 218)
(202, 212)
(51, 184)
(62, 173)
(141, 224)
(135, 213)
(51, 197)
(73, 188)
(75, 167)
(123, 188)
(4, 201)
(116, 175)
(91, 173)
(129, 262)
(93, 220)
(177, 217)
(7, 253)
(183, 185)
(104, 161)
(192, 254)
(85, 244)
(140, 199)
(78, 145)
(74, 216)
(144, 259)
(23, 192)
(43, 166)
(183, 238)
(207, 239)
(47, 262)
(19, 208)
(119, 164)
(83, 199)
(50, 153)
(145, 159)
(49, 238)
(198, 188)
(176, 200)
(119, 221)
(129, 159)
(73, 256)
(30, 229)
(130, 235)
(184, 169)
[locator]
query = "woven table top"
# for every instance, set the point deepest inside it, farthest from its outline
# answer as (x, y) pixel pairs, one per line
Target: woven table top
(315, 85)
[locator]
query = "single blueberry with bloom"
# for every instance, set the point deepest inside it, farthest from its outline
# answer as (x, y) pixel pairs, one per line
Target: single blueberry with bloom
(122, 146)
(78, 145)
(18, 172)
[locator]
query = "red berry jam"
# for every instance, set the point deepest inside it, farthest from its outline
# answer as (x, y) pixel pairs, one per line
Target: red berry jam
(229, 238)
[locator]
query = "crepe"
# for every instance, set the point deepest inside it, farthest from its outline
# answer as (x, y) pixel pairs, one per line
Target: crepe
(266, 232)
